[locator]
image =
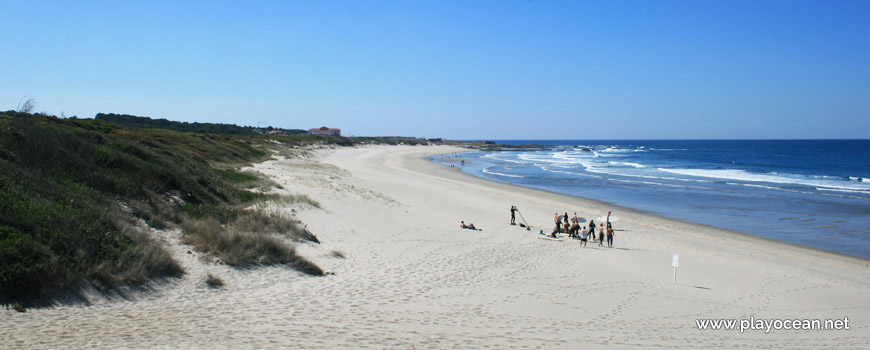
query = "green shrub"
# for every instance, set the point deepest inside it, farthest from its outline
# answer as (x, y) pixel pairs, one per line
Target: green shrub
(19, 307)
(62, 182)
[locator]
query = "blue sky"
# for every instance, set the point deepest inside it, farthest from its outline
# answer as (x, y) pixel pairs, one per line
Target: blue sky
(456, 69)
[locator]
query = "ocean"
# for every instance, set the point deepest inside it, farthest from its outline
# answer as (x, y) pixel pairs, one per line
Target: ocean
(809, 192)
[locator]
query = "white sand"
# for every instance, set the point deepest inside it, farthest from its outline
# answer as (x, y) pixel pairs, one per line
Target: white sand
(413, 279)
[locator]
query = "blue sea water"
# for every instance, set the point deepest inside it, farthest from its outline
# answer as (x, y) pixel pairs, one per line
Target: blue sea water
(810, 192)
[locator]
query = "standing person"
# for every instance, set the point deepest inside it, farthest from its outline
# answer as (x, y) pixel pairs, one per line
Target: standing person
(558, 228)
(566, 218)
(572, 232)
(513, 215)
(592, 228)
(583, 236)
(601, 234)
(608, 219)
(610, 237)
(575, 225)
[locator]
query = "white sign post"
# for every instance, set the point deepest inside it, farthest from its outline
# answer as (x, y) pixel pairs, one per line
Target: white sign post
(676, 262)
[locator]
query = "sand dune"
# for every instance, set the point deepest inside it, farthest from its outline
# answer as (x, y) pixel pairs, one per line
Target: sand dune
(411, 278)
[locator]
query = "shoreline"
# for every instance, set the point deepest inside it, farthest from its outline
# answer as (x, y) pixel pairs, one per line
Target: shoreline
(741, 236)
(659, 216)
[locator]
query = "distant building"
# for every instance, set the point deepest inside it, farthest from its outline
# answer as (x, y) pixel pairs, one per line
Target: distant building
(324, 131)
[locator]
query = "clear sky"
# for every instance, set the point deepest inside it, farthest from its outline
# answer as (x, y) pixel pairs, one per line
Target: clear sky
(501, 69)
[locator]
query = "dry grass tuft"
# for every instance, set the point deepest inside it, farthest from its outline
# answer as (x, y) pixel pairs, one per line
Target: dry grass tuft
(143, 260)
(246, 243)
(214, 281)
(297, 199)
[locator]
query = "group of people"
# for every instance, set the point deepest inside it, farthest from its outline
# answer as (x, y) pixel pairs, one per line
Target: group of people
(603, 232)
(574, 229)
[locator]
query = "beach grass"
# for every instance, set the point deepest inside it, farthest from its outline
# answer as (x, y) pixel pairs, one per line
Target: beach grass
(70, 189)
(242, 243)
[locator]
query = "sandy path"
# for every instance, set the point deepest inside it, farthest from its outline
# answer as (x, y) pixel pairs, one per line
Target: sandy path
(411, 278)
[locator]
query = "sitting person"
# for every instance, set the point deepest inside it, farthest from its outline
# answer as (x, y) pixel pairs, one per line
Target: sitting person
(556, 230)
(470, 226)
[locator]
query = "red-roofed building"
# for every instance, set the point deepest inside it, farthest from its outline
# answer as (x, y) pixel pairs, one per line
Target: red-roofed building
(324, 131)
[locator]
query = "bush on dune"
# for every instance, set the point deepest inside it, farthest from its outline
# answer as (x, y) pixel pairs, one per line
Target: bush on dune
(57, 233)
(65, 183)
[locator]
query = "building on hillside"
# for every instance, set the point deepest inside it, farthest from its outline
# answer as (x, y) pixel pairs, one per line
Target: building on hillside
(324, 131)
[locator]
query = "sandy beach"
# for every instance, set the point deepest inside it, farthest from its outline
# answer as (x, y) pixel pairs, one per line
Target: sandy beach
(406, 276)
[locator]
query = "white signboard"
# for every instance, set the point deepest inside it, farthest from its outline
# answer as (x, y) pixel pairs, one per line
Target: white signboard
(676, 261)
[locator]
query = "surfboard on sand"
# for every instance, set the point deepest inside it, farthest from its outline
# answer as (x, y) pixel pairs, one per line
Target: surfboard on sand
(549, 238)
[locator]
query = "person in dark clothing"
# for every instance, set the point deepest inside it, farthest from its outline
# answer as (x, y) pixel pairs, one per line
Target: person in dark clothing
(592, 228)
(513, 215)
(470, 226)
(610, 238)
(558, 227)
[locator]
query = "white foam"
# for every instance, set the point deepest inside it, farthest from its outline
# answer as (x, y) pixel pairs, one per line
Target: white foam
(492, 156)
(658, 184)
(553, 159)
(568, 172)
(596, 163)
(617, 150)
(742, 175)
(837, 193)
(636, 165)
(840, 190)
(610, 171)
(751, 185)
(487, 171)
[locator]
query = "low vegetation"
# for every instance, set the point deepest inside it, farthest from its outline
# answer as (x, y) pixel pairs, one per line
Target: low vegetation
(213, 281)
(246, 238)
(72, 189)
(211, 128)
